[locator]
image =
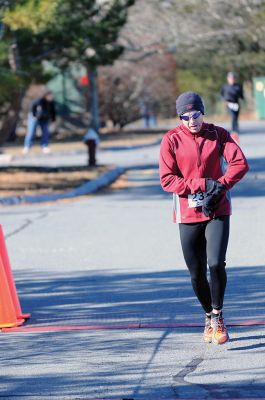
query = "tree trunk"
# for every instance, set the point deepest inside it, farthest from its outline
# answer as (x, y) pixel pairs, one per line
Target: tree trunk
(65, 108)
(93, 91)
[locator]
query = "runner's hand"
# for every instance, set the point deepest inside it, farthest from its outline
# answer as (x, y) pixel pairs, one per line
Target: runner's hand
(210, 202)
(207, 211)
(214, 187)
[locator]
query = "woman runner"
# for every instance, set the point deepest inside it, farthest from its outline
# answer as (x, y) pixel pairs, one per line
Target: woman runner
(191, 167)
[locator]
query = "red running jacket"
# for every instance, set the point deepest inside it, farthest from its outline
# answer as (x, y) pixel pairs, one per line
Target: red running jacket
(187, 159)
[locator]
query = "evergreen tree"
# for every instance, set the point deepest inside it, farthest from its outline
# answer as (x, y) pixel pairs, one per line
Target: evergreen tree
(92, 27)
(15, 69)
(82, 31)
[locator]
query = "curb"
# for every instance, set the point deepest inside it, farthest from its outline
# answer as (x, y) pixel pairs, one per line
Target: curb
(89, 187)
(131, 147)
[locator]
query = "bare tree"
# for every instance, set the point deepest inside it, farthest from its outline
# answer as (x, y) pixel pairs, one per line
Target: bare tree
(224, 32)
(128, 90)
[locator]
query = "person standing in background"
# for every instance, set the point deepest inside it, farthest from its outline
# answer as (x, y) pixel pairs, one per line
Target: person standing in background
(232, 92)
(41, 113)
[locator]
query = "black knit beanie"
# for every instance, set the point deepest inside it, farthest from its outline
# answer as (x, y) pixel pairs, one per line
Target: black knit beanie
(189, 101)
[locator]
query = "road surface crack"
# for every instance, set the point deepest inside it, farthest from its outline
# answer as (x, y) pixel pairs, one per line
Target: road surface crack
(25, 225)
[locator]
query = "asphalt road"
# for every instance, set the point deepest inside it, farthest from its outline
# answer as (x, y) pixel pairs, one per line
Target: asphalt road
(115, 258)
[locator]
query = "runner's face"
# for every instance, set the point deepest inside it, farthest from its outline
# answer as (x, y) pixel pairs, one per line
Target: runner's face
(194, 125)
(49, 97)
(231, 80)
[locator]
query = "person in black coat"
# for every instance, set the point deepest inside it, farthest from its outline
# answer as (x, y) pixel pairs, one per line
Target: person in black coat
(232, 92)
(41, 113)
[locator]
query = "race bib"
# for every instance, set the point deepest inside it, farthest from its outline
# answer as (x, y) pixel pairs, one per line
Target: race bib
(233, 106)
(195, 200)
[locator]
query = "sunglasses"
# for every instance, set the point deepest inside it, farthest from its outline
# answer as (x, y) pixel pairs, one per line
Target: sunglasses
(193, 116)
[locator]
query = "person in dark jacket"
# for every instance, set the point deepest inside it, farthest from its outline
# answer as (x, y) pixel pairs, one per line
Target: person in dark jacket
(41, 113)
(232, 92)
(191, 167)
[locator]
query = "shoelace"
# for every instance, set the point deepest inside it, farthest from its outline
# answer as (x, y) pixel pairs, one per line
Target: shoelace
(208, 323)
(220, 324)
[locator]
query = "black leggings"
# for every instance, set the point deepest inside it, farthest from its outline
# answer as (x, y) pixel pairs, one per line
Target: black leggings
(204, 242)
(234, 120)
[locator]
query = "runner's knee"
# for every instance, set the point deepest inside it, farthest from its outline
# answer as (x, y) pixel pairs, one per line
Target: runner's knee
(216, 265)
(197, 275)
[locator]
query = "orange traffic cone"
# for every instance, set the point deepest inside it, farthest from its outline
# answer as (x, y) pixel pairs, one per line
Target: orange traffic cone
(8, 318)
(9, 276)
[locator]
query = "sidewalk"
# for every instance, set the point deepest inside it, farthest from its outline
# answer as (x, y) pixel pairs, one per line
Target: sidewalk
(75, 153)
(117, 155)
(115, 259)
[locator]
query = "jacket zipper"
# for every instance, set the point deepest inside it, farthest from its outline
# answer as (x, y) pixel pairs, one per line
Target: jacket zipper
(198, 152)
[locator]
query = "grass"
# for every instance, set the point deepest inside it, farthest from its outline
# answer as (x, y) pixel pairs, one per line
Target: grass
(31, 181)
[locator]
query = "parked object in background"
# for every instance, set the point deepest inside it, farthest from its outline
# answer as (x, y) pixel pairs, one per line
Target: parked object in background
(258, 85)
(91, 139)
(41, 113)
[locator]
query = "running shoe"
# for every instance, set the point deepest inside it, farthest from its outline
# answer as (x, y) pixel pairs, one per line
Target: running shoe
(208, 330)
(220, 333)
(46, 150)
(25, 150)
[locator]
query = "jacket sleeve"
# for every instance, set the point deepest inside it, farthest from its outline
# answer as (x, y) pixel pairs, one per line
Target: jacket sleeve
(241, 92)
(170, 177)
(53, 111)
(34, 106)
(237, 163)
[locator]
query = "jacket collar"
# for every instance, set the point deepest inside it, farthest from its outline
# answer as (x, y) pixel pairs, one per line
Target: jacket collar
(188, 132)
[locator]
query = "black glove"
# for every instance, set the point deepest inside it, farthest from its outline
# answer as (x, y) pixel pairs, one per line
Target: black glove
(214, 189)
(208, 205)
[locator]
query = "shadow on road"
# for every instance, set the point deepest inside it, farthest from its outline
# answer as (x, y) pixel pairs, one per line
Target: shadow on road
(143, 183)
(148, 297)
(253, 185)
(113, 296)
(252, 128)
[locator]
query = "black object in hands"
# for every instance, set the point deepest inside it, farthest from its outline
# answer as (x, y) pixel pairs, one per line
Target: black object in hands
(214, 189)
(208, 205)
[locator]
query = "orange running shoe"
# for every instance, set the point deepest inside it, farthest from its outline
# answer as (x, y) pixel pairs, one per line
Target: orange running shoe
(208, 330)
(220, 334)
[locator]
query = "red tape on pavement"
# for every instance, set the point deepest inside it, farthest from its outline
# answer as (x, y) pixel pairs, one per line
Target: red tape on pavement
(123, 327)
